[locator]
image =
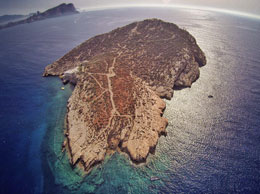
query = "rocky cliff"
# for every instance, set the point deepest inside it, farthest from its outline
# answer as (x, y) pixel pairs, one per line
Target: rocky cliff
(60, 10)
(120, 78)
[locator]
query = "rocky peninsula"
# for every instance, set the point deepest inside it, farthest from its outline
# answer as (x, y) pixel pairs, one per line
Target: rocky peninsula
(120, 79)
(60, 10)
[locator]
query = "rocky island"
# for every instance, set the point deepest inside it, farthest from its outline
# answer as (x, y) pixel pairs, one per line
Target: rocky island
(120, 79)
(60, 10)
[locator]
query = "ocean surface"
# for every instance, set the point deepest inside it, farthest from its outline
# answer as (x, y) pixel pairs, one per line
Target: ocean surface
(212, 146)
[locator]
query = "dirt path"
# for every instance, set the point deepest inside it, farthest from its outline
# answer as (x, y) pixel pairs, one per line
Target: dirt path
(110, 74)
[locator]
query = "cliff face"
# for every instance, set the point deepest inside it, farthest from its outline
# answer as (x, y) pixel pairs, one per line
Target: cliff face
(60, 10)
(120, 77)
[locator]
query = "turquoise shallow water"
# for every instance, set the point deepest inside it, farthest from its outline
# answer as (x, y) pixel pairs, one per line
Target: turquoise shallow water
(212, 144)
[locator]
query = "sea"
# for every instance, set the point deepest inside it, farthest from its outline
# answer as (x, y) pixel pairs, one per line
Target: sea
(213, 137)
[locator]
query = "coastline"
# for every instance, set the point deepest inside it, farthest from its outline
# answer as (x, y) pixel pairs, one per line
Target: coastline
(55, 163)
(58, 171)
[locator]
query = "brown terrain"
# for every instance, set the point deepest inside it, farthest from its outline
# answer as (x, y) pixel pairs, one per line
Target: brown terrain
(120, 78)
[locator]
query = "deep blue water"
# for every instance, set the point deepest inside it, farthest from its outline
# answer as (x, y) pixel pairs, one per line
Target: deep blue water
(212, 146)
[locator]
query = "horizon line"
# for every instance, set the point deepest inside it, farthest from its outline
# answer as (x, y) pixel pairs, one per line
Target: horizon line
(203, 8)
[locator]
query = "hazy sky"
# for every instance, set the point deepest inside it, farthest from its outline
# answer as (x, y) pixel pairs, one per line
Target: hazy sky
(28, 6)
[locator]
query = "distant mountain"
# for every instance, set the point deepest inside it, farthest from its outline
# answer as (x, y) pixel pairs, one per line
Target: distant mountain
(60, 10)
(8, 18)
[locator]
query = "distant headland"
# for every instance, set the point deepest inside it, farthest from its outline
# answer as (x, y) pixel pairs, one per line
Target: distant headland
(120, 79)
(60, 10)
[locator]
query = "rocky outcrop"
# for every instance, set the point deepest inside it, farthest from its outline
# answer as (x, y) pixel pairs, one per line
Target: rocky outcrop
(119, 78)
(60, 10)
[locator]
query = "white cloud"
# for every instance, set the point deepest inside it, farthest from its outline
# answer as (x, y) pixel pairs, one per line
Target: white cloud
(166, 1)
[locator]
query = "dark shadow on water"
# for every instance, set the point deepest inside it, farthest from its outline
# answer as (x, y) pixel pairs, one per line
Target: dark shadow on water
(180, 87)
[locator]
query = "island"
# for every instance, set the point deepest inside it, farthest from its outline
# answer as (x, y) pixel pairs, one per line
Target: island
(120, 79)
(60, 10)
